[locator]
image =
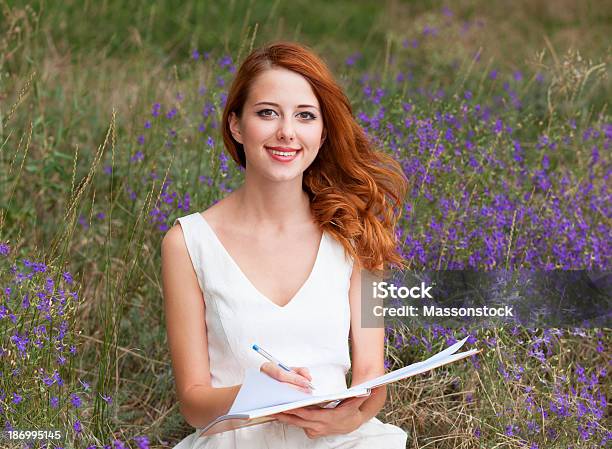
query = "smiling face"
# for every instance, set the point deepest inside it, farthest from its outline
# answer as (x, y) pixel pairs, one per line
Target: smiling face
(281, 128)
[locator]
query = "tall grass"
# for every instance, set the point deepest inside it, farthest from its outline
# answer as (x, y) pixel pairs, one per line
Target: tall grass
(109, 132)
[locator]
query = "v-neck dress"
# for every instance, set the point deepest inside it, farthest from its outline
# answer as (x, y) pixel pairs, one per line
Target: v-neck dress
(311, 330)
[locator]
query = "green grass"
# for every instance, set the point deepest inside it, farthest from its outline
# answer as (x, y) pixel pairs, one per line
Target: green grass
(77, 82)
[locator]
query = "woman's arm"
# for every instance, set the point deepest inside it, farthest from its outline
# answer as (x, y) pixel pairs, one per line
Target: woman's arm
(367, 351)
(185, 308)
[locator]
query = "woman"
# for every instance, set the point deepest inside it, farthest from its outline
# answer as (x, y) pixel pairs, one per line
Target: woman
(273, 263)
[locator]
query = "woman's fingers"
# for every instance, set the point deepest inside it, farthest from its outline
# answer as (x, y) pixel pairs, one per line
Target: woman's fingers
(298, 380)
(353, 402)
(296, 420)
(303, 371)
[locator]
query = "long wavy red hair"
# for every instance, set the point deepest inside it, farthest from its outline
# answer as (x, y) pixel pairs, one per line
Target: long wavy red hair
(356, 192)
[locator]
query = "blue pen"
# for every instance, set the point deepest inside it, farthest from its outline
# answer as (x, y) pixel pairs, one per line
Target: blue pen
(274, 360)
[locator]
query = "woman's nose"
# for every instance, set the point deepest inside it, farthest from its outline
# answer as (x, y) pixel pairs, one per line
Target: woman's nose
(285, 129)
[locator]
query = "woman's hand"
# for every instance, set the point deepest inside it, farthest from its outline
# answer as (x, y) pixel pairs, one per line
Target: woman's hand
(318, 422)
(299, 378)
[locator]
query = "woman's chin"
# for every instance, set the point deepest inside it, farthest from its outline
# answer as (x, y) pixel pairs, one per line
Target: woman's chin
(285, 177)
(282, 175)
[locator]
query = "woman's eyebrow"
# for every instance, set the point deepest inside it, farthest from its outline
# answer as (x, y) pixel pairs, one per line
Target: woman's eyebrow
(278, 106)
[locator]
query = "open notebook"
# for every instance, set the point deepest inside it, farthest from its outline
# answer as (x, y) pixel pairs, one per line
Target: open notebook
(261, 396)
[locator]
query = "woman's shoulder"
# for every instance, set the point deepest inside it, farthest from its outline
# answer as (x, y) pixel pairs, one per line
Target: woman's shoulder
(212, 215)
(217, 214)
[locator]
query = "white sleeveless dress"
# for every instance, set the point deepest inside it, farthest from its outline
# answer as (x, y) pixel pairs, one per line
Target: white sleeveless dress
(311, 330)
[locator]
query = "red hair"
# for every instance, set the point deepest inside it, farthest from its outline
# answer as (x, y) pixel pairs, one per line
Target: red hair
(356, 192)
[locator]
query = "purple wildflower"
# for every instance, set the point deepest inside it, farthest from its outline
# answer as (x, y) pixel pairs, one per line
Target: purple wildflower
(223, 162)
(17, 398)
(83, 222)
(226, 61)
(67, 277)
(142, 442)
(511, 430)
(518, 75)
(429, 31)
(172, 113)
(137, 157)
(21, 341)
(75, 400)
(499, 126)
(350, 61)
(48, 381)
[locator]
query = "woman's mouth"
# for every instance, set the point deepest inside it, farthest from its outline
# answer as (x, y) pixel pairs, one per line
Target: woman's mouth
(282, 154)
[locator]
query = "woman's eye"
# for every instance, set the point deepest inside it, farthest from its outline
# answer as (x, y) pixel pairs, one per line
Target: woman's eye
(264, 112)
(310, 116)
(270, 113)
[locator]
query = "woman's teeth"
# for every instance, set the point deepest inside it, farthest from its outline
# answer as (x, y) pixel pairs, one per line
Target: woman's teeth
(283, 153)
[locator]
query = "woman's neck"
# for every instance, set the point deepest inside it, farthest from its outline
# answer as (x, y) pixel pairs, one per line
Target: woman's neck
(279, 206)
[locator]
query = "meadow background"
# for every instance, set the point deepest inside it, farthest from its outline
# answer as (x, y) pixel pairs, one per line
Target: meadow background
(109, 113)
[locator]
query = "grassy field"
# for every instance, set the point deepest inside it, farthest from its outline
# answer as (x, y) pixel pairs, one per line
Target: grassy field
(109, 114)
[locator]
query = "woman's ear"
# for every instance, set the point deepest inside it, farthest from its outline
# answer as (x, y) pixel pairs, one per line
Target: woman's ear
(234, 126)
(323, 136)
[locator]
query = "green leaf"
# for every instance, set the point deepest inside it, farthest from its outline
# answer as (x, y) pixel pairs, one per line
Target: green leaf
(62, 155)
